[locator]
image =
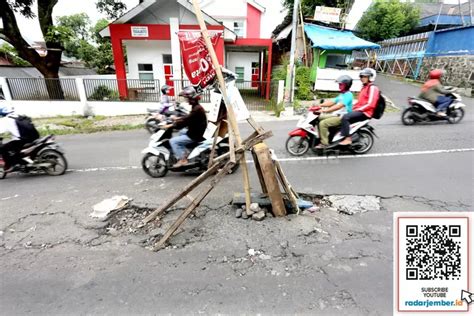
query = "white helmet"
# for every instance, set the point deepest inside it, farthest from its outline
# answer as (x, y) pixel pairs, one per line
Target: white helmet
(368, 72)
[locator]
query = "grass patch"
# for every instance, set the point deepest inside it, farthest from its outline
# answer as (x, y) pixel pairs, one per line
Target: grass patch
(61, 125)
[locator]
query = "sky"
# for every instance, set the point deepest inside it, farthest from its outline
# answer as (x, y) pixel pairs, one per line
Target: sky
(30, 27)
(31, 31)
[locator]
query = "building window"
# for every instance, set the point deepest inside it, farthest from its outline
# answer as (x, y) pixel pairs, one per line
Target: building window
(145, 71)
(239, 29)
(240, 71)
(336, 61)
(167, 59)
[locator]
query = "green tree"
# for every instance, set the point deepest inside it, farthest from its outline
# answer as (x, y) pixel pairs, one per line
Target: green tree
(388, 19)
(54, 36)
(9, 52)
(84, 41)
(112, 8)
(307, 8)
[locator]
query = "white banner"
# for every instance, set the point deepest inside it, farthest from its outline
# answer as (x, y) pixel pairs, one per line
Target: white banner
(327, 14)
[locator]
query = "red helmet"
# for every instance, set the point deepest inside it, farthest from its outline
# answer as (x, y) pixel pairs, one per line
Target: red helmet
(436, 73)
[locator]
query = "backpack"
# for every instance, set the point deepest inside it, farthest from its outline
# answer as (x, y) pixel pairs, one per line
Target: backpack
(379, 107)
(26, 128)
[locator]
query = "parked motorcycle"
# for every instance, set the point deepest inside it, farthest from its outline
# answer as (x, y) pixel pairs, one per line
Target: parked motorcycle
(159, 157)
(420, 110)
(306, 136)
(154, 118)
(42, 155)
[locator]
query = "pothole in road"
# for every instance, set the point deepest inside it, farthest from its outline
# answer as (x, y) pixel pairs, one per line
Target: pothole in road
(130, 220)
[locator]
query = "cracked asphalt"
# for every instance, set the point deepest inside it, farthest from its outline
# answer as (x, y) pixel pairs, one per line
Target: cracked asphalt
(57, 260)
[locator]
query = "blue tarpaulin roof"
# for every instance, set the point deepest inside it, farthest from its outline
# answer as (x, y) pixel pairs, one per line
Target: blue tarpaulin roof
(327, 38)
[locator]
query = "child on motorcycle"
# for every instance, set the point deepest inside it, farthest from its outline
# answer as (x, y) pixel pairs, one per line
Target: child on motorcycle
(433, 92)
(335, 108)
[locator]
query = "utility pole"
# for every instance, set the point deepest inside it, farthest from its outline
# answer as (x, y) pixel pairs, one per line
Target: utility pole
(460, 11)
(470, 11)
(291, 67)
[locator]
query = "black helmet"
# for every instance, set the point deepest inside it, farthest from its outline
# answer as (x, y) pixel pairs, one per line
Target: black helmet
(345, 79)
(165, 89)
(189, 93)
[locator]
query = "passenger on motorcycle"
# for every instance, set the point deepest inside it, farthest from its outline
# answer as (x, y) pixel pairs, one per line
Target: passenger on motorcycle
(433, 92)
(365, 105)
(194, 125)
(22, 131)
(165, 102)
(334, 109)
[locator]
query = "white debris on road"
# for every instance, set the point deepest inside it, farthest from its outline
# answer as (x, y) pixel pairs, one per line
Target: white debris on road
(102, 209)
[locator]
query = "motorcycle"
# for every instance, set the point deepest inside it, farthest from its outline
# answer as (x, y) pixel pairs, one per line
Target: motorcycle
(159, 157)
(42, 155)
(154, 118)
(420, 110)
(306, 136)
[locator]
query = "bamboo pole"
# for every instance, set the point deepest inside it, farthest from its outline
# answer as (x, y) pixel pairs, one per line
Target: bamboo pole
(161, 243)
(230, 110)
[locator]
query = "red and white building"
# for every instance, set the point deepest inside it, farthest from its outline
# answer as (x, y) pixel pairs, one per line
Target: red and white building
(148, 35)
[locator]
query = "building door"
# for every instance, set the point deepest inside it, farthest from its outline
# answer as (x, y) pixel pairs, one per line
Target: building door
(168, 72)
(255, 74)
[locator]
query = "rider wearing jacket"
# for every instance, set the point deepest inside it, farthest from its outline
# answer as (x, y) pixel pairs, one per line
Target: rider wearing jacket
(21, 132)
(433, 92)
(334, 109)
(365, 106)
(194, 125)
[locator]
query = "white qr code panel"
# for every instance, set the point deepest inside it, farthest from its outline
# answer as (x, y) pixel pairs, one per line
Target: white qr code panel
(431, 261)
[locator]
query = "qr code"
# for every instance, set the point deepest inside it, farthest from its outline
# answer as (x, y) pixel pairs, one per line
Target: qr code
(433, 252)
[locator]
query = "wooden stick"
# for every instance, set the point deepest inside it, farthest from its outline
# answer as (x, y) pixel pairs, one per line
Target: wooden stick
(214, 142)
(161, 243)
(247, 145)
(193, 184)
(230, 109)
(287, 186)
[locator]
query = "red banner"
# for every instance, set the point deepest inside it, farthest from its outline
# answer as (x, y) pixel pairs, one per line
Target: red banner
(197, 62)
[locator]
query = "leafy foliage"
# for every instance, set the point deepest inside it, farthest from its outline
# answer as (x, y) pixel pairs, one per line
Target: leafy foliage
(303, 83)
(388, 19)
(112, 8)
(9, 52)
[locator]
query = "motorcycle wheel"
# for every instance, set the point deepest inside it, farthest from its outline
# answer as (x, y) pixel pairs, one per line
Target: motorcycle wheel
(154, 166)
(297, 145)
(407, 117)
(58, 162)
(364, 143)
(455, 116)
(151, 125)
(3, 174)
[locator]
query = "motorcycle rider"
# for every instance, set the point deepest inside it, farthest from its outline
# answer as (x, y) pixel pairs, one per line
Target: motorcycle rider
(193, 126)
(335, 108)
(22, 132)
(365, 105)
(433, 92)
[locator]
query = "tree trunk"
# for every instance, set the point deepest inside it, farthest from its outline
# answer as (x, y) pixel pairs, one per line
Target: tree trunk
(53, 85)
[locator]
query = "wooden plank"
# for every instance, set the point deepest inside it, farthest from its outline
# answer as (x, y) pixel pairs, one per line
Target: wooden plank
(259, 173)
(192, 185)
(182, 217)
(271, 182)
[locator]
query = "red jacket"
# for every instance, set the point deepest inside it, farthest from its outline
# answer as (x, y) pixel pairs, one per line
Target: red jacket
(368, 97)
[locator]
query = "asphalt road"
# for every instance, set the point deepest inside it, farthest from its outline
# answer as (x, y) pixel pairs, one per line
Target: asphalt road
(419, 168)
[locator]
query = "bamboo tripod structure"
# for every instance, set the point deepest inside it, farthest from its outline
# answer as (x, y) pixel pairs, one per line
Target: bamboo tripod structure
(269, 171)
